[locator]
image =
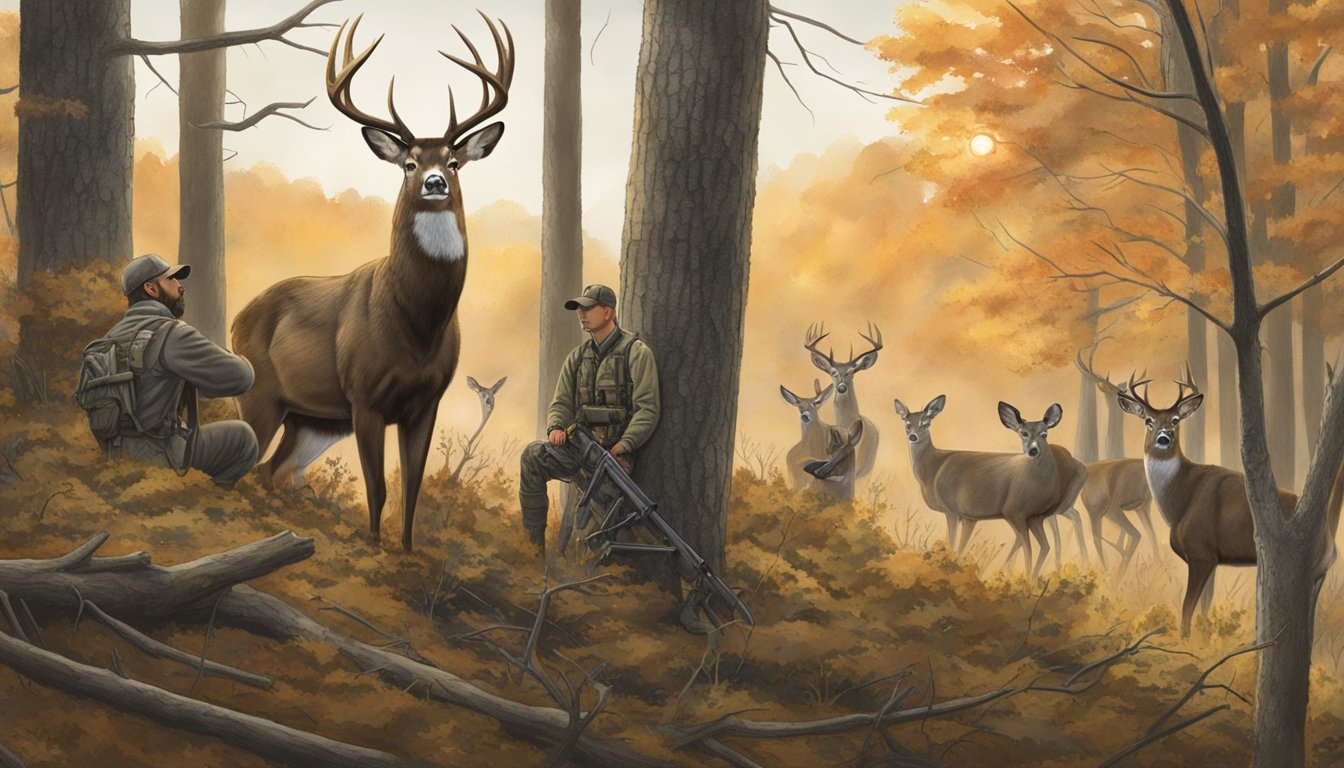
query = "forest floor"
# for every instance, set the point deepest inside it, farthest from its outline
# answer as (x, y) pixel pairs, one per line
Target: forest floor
(851, 604)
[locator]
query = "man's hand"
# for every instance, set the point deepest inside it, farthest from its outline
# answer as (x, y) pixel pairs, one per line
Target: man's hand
(557, 437)
(618, 453)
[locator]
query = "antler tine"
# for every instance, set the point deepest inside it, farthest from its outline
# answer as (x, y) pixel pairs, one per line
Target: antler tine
(874, 336)
(815, 333)
(1131, 390)
(816, 384)
(498, 80)
(338, 83)
(1186, 382)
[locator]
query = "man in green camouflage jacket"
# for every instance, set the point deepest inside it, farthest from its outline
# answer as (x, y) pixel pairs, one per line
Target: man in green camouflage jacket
(610, 383)
(176, 356)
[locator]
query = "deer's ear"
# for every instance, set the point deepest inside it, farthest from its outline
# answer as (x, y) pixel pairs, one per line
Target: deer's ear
(935, 406)
(481, 143)
(499, 384)
(1010, 416)
(471, 382)
(1188, 407)
(825, 393)
(821, 362)
(386, 146)
(901, 410)
(1130, 406)
(865, 360)
(1052, 416)
(856, 432)
(788, 396)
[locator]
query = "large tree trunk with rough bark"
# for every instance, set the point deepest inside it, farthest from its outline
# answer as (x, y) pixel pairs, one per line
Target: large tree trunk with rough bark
(561, 195)
(685, 251)
(201, 170)
(76, 135)
(1278, 337)
(1229, 392)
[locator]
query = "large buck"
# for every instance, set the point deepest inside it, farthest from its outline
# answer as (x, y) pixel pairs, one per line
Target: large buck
(377, 346)
(846, 398)
(815, 433)
(1025, 489)
(1206, 505)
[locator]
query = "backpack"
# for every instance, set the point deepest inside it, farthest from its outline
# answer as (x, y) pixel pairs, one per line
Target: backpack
(106, 389)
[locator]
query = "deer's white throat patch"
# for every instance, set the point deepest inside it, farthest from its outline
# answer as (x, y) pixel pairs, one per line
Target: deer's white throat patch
(438, 234)
(1161, 474)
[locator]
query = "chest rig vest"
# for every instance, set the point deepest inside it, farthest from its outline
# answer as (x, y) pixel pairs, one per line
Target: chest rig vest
(603, 388)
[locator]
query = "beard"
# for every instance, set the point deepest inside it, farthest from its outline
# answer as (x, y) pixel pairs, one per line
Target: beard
(177, 307)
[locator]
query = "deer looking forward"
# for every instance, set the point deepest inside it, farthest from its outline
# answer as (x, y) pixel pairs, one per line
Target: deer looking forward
(1206, 505)
(846, 398)
(379, 345)
(815, 432)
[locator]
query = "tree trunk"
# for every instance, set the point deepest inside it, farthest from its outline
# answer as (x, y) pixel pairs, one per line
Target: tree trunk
(1313, 364)
(1085, 438)
(1278, 337)
(561, 195)
(1284, 598)
(1229, 421)
(201, 170)
(1176, 75)
(685, 254)
(76, 135)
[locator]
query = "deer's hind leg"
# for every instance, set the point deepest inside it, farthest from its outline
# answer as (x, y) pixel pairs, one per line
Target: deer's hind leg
(305, 439)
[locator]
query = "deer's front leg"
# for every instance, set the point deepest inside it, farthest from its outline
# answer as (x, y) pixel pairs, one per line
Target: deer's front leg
(369, 430)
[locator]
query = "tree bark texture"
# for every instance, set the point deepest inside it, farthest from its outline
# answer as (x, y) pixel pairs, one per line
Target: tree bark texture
(1085, 438)
(561, 195)
(1229, 392)
(685, 255)
(1176, 75)
(269, 739)
(201, 170)
(76, 135)
(1282, 204)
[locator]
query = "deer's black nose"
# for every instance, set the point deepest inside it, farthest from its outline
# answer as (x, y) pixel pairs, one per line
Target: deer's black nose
(435, 184)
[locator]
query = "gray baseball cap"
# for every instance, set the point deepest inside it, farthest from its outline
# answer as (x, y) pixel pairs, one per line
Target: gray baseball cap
(593, 295)
(142, 269)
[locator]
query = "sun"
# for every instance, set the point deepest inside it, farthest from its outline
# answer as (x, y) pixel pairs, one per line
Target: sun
(982, 144)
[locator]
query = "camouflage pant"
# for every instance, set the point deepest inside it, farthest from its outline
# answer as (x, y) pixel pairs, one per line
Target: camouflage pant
(225, 450)
(541, 463)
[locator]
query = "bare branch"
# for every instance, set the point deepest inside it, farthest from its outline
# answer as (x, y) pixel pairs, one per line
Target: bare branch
(276, 32)
(1270, 306)
(262, 114)
(1315, 68)
(1130, 87)
(158, 650)
(777, 11)
(10, 89)
(1138, 68)
(863, 93)
(598, 36)
(788, 82)
(1185, 196)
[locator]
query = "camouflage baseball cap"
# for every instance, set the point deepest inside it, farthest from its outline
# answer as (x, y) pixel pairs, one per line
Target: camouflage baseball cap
(142, 269)
(593, 295)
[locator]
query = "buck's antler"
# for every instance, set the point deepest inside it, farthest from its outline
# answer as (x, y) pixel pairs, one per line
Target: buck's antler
(1130, 390)
(338, 85)
(815, 333)
(494, 85)
(1186, 382)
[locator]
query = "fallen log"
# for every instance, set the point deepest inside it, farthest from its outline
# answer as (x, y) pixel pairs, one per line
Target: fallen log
(265, 614)
(129, 587)
(254, 734)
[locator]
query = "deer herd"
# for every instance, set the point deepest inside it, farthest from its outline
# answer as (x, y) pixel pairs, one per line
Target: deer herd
(1205, 505)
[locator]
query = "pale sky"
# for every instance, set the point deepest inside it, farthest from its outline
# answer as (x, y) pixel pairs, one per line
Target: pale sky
(416, 30)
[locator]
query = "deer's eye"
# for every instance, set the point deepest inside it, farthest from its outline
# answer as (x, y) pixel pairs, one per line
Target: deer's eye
(452, 164)
(1149, 422)
(410, 166)
(1023, 433)
(1043, 434)
(1175, 420)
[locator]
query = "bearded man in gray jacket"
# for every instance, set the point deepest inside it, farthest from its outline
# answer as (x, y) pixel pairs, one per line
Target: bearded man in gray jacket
(177, 360)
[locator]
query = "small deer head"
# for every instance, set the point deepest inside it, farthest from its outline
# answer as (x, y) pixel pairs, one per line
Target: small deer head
(430, 165)
(808, 406)
(486, 394)
(1163, 423)
(843, 373)
(839, 461)
(1033, 433)
(917, 424)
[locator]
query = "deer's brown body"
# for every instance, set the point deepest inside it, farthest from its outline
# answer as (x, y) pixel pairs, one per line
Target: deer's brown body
(1113, 487)
(1205, 505)
(377, 346)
